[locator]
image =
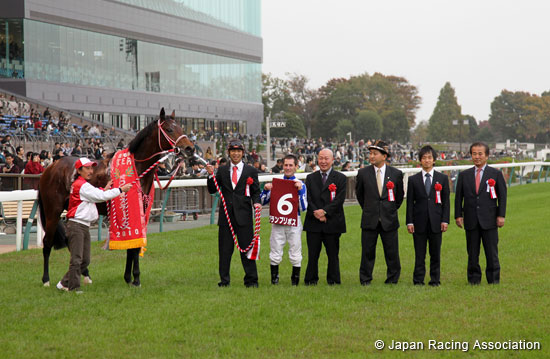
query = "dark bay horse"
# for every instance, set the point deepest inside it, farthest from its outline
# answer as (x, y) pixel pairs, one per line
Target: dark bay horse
(55, 185)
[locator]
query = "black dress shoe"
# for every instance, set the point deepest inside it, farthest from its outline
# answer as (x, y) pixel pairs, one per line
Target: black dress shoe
(364, 283)
(434, 284)
(419, 283)
(252, 285)
(223, 284)
(312, 283)
(474, 283)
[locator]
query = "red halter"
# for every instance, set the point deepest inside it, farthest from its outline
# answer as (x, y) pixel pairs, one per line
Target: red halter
(168, 138)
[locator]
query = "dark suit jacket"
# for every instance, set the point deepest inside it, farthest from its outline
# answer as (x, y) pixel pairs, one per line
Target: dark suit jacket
(480, 207)
(422, 207)
(239, 206)
(376, 207)
(318, 197)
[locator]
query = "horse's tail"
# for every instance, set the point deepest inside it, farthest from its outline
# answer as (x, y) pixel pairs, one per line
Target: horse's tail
(60, 239)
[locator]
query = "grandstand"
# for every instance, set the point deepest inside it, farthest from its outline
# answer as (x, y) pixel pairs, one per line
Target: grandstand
(17, 117)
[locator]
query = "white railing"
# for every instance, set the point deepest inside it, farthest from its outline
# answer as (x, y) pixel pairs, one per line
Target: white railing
(20, 196)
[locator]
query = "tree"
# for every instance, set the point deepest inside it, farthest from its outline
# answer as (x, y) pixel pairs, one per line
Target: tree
(396, 127)
(368, 124)
(306, 100)
(343, 128)
(446, 112)
(420, 134)
(276, 96)
(294, 126)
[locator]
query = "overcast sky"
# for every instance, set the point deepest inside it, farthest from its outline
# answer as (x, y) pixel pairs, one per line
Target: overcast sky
(480, 46)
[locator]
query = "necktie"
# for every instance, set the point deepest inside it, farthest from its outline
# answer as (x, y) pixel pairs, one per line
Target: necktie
(428, 183)
(324, 174)
(379, 181)
(234, 176)
(478, 178)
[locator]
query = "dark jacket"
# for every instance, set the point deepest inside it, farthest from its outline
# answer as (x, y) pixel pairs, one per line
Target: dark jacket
(377, 207)
(239, 206)
(422, 208)
(480, 207)
(318, 197)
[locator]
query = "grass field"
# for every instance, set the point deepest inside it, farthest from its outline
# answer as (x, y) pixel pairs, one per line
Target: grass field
(179, 312)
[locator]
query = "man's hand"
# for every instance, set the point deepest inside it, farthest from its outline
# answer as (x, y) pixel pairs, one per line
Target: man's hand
(323, 219)
(126, 187)
(500, 222)
(410, 228)
(209, 169)
(444, 227)
(257, 206)
(459, 222)
(298, 184)
(319, 213)
(268, 186)
(108, 185)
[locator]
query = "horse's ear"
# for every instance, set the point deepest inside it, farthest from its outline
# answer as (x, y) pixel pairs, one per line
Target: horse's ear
(162, 114)
(173, 115)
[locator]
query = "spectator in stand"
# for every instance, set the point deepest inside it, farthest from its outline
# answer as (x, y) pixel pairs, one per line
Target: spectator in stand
(162, 170)
(278, 166)
(113, 132)
(7, 144)
(37, 124)
(19, 157)
(94, 131)
(310, 164)
(263, 168)
(14, 125)
(8, 184)
(257, 165)
(208, 155)
(194, 170)
(67, 149)
(120, 144)
(33, 167)
(47, 113)
(28, 157)
(346, 167)
(45, 158)
(77, 150)
(58, 154)
(254, 155)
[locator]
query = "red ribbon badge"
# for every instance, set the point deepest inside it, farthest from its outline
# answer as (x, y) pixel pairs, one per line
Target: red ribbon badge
(491, 182)
(249, 181)
(332, 189)
(438, 187)
(390, 186)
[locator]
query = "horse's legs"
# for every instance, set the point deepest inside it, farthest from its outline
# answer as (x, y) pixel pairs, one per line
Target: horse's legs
(46, 276)
(128, 271)
(135, 271)
(51, 226)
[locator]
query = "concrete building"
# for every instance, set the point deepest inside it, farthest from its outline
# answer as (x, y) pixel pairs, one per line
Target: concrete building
(120, 61)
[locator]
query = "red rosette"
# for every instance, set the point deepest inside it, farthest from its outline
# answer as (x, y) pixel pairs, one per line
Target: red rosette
(438, 187)
(390, 185)
(249, 181)
(491, 182)
(332, 187)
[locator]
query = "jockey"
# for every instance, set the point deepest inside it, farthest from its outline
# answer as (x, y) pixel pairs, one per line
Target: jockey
(280, 234)
(81, 213)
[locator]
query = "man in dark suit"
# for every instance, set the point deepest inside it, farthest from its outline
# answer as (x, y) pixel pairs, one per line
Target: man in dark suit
(232, 180)
(325, 221)
(480, 207)
(380, 205)
(427, 215)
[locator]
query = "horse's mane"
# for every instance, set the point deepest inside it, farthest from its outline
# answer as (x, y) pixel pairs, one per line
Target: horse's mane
(134, 145)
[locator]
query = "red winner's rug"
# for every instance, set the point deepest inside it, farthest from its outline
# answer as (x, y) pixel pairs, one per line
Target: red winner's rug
(127, 217)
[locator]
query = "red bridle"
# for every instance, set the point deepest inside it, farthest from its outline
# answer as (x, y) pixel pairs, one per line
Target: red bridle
(168, 138)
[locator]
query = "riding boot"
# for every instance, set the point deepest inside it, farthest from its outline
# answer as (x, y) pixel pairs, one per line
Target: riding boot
(274, 274)
(295, 277)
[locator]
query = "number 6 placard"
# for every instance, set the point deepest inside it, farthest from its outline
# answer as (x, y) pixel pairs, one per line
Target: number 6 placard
(283, 208)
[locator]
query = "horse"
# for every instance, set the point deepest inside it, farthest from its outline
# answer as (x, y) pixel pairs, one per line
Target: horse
(55, 185)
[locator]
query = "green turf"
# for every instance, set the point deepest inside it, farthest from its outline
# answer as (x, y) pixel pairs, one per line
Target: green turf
(180, 312)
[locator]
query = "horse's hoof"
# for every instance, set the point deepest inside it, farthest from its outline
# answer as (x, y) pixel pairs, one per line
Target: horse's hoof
(47, 284)
(87, 280)
(136, 284)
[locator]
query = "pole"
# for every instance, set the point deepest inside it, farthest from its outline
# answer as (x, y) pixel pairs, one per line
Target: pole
(268, 141)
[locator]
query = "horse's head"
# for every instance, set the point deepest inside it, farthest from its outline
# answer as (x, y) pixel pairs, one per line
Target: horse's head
(171, 135)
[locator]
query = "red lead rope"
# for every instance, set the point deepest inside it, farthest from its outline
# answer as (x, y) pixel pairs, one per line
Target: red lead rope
(257, 217)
